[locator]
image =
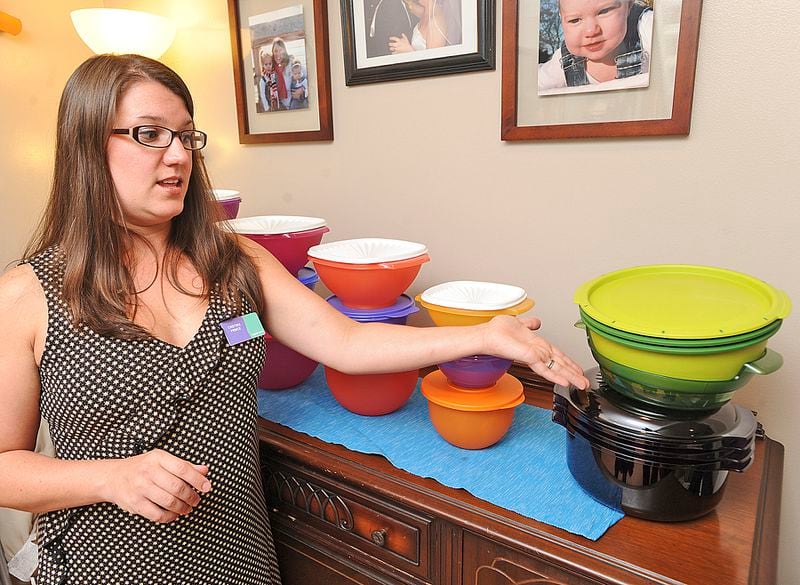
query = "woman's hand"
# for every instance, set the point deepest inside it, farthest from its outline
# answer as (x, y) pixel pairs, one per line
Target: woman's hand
(400, 44)
(157, 485)
(514, 338)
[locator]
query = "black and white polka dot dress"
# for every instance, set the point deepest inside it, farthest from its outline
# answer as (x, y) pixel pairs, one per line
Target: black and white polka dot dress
(108, 398)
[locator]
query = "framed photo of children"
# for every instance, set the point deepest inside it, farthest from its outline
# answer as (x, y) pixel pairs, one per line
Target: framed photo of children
(386, 40)
(598, 68)
(281, 70)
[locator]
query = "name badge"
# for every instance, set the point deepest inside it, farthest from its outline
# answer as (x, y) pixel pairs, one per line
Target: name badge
(241, 329)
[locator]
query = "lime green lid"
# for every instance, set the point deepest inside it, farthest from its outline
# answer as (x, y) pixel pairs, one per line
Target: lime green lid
(682, 301)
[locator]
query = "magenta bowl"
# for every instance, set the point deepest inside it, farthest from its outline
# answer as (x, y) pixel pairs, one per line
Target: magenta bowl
(284, 367)
(230, 207)
(476, 371)
(290, 249)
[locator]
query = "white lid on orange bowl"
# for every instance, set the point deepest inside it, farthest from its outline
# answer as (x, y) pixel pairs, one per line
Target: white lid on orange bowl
(225, 194)
(367, 250)
(474, 295)
(274, 224)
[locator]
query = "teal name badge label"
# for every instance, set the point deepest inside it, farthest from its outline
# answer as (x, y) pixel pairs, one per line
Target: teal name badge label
(241, 329)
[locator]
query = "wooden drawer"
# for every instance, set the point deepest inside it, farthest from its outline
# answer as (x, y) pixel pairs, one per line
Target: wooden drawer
(356, 525)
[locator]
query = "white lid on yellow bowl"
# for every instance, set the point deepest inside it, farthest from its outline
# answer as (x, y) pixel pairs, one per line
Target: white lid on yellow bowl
(474, 295)
(274, 224)
(225, 194)
(367, 250)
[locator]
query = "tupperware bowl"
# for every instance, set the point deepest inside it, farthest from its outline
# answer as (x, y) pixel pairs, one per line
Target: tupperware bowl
(446, 316)
(284, 367)
(476, 371)
(397, 313)
(471, 420)
(308, 276)
(371, 394)
(473, 295)
(675, 393)
(229, 201)
(369, 286)
(290, 249)
(367, 251)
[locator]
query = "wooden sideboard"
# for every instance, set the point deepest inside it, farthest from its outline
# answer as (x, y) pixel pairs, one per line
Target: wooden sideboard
(341, 517)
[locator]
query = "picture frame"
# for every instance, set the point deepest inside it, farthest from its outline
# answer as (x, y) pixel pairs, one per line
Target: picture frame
(664, 107)
(301, 27)
(465, 28)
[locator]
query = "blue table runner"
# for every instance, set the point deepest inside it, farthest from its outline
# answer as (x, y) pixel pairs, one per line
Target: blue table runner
(525, 472)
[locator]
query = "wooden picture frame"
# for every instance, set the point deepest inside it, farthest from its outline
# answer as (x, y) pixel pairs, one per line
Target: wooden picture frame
(370, 60)
(282, 123)
(662, 108)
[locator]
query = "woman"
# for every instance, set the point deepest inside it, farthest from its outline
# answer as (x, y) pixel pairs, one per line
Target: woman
(113, 330)
(283, 67)
(439, 26)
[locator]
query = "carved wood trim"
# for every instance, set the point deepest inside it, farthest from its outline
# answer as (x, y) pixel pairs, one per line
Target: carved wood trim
(312, 499)
(494, 575)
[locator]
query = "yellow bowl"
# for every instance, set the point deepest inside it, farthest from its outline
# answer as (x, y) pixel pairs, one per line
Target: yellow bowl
(444, 316)
(710, 367)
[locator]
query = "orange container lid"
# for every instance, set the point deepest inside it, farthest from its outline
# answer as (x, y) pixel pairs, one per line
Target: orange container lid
(506, 393)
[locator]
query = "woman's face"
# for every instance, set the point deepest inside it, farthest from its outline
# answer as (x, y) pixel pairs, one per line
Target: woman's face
(150, 183)
(594, 28)
(279, 53)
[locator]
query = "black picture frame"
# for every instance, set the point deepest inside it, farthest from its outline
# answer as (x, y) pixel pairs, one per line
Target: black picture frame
(359, 71)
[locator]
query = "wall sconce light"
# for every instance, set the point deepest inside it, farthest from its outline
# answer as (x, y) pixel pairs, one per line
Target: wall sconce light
(10, 24)
(114, 30)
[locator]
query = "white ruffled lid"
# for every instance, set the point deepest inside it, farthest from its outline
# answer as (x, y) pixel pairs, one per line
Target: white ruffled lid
(274, 224)
(367, 250)
(474, 295)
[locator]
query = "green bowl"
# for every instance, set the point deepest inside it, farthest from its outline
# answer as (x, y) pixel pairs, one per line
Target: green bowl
(751, 336)
(680, 394)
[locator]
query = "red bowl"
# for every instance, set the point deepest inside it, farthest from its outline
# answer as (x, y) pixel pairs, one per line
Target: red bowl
(371, 394)
(284, 367)
(369, 286)
(291, 249)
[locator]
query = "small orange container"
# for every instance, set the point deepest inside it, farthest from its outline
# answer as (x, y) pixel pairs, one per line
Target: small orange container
(371, 394)
(473, 419)
(369, 286)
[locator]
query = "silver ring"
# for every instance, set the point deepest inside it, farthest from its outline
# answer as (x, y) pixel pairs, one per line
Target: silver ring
(550, 364)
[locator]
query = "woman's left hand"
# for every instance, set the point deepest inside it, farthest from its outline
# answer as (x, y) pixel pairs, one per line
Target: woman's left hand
(514, 337)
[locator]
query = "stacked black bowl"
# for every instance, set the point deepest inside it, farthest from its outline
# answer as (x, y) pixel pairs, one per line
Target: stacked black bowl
(656, 435)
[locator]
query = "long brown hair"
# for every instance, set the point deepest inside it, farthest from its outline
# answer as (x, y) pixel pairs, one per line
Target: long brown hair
(84, 220)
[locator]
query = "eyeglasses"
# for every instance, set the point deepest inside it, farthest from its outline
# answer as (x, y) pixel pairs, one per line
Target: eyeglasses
(160, 137)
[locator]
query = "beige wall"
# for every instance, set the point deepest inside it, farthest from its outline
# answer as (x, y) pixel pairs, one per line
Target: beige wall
(422, 160)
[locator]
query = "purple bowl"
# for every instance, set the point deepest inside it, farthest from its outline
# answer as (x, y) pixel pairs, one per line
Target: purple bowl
(230, 207)
(308, 276)
(397, 313)
(476, 371)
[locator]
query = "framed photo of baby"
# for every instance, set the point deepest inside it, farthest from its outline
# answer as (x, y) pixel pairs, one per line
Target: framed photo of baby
(386, 40)
(281, 70)
(596, 68)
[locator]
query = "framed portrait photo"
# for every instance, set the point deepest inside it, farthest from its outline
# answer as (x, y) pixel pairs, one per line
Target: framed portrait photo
(386, 40)
(598, 68)
(281, 70)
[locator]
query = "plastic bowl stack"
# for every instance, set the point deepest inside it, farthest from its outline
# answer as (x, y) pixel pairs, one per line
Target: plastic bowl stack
(471, 400)
(287, 237)
(283, 366)
(680, 336)
(373, 394)
(656, 433)
(229, 201)
(368, 273)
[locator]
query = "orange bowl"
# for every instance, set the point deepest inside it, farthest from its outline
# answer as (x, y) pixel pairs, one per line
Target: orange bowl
(369, 286)
(371, 394)
(476, 429)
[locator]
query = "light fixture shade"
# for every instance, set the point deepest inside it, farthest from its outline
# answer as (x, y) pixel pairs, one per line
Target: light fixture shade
(114, 30)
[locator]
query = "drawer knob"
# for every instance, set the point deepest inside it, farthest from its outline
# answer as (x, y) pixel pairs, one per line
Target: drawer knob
(379, 537)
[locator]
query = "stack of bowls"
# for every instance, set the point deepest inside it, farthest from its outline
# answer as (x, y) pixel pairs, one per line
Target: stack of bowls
(673, 343)
(368, 277)
(288, 238)
(368, 273)
(681, 336)
(471, 400)
(229, 201)
(636, 460)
